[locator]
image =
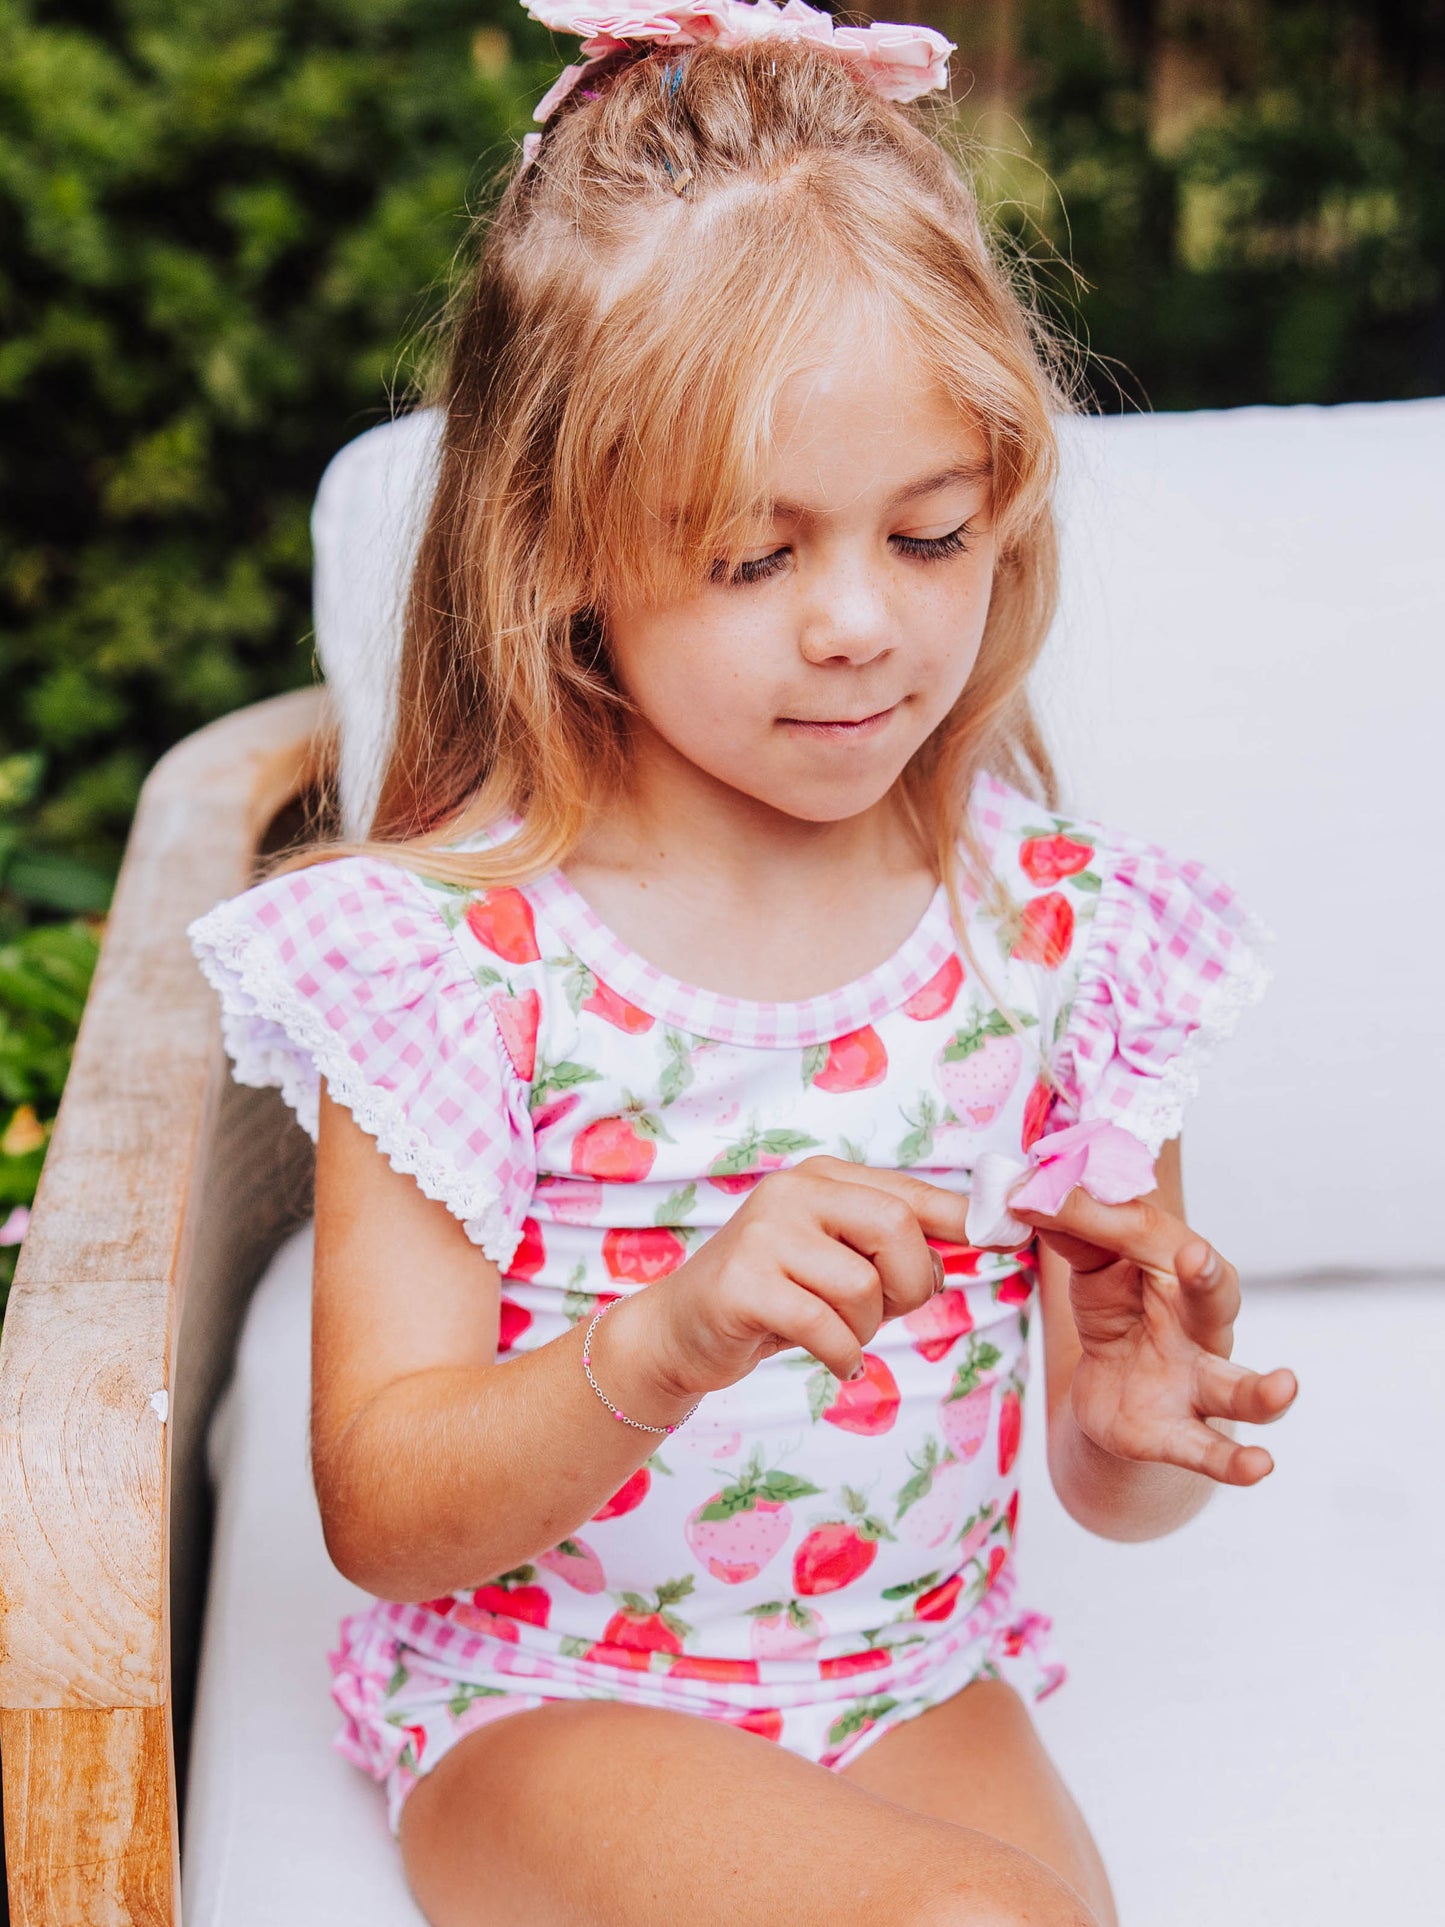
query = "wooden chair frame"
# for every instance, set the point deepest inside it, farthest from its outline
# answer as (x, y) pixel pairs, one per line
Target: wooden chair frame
(165, 1191)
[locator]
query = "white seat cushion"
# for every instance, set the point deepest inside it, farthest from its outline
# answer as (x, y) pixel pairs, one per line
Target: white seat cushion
(1252, 1723)
(1248, 667)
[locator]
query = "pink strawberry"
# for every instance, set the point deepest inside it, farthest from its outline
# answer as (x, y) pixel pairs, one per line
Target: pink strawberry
(569, 1200)
(502, 920)
(1016, 1289)
(530, 1255)
(1049, 859)
(726, 1672)
(765, 1721)
(512, 1321)
(643, 1627)
(615, 1010)
(517, 1020)
(996, 1561)
(478, 1619)
(552, 1111)
(1036, 1113)
(642, 1253)
(747, 1162)
(620, 1148)
(938, 994)
(939, 1323)
(746, 1523)
(574, 1562)
(978, 1068)
(869, 1406)
(785, 1629)
(964, 1411)
(515, 1597)
(839, 1551)
(929, 1503)
(847, 1665)
(1010, 1428)
(851, 1063)
(977, 1531)
(1045, 931)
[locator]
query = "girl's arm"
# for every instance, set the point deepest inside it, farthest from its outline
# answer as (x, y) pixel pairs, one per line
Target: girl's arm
(436, 1467)
(1148, 1329)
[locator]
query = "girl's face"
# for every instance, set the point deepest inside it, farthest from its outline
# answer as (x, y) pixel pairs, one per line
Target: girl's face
(808, 678)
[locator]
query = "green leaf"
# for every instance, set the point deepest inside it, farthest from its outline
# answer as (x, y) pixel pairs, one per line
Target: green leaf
(1086, 881)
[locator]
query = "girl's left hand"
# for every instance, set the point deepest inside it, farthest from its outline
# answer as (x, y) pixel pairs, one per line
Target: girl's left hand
(1155, 1307)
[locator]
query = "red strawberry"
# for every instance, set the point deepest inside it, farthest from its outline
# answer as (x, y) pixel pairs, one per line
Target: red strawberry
(740, 1672)
(938, 1603)
(851, 1063)
(1045, 931)
(1010, 1429)
(530, 1255)
(869, 1407)
(996, 1560)
(1012, 1515)
(416, 1744)
(1036, 1113)
(959, 1261)
(620, 1148)
(628, 1496)
(512, 1322)
(847, 1664)
(615, 1010)
(1015, 1289)
(1049, 859)
(642, 1253)
(939, 1323)
(938, 993)
(745, 1524)
(515, 1597)
(747, 1162)
(839, 1551)
(502, 920)
(765, 1721)
(574, 1561)
(517, 1020)
(643, 1627)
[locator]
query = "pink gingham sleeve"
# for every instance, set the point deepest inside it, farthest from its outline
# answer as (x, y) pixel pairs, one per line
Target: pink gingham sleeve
(347, 970)
(1171, 957)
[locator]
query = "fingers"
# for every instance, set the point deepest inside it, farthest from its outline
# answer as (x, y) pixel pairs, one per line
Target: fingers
(876, 1220)
(1200, 1448)
(941, 1214)
(801, 1317)
(1210, 1284)
(1229, 1391)
(1141, 1231)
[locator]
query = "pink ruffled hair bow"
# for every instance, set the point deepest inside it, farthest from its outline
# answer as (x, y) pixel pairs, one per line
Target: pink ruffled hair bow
(1110, 1162)
(899, 62)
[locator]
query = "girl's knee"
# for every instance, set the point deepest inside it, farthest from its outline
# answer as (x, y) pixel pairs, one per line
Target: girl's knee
(1020, 1892)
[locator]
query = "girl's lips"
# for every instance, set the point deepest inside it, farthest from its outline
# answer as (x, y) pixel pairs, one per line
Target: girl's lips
(842, 730)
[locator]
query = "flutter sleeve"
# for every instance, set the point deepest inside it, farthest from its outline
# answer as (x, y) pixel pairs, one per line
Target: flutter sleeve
(347, 970)
(1171, 958)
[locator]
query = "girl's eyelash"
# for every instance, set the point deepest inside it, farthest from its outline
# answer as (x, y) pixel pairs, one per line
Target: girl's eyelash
(923, 548)
(934, 548)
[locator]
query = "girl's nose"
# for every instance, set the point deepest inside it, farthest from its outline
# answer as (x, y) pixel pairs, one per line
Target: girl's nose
(846, 618)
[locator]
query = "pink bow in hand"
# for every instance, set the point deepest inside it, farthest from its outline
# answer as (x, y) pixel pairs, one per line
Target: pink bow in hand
(1110, 1163)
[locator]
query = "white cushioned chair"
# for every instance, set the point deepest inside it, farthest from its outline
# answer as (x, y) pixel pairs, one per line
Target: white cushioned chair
(1248, 668)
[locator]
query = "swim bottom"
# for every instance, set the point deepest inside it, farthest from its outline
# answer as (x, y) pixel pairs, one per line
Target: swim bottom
(406, 1707)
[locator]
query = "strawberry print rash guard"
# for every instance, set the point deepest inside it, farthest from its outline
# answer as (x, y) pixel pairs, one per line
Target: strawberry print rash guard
(809, 1560)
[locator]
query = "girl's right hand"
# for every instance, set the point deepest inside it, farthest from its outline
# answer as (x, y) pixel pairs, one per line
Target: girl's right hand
(817, 1256)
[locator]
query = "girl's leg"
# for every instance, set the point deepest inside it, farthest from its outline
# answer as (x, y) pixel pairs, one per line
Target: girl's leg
(977, 1758)
(606, 1815)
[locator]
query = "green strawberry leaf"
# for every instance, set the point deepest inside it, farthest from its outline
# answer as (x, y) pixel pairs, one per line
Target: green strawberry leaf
(814, 1058)
(486, 977)
(786, 1485)
(571, 1647)
(784, 1143)
(910, 1586)
(557, 1078)
(1086, 881)
(675, 1206)
(822, 1390)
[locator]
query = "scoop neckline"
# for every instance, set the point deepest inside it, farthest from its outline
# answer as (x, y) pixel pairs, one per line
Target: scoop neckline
(764, 1023)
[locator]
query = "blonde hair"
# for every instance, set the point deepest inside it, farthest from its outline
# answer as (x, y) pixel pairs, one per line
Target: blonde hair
(645, 288)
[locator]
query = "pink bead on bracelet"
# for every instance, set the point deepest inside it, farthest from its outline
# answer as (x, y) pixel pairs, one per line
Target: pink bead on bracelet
(621, 1417)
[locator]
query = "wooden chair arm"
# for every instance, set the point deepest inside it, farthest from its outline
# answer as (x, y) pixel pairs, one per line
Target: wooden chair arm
(88, 1399)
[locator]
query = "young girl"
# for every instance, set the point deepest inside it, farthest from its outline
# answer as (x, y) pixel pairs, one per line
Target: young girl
(717, 947)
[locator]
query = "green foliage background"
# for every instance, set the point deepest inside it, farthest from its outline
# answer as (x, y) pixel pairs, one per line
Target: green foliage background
(220, 220)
